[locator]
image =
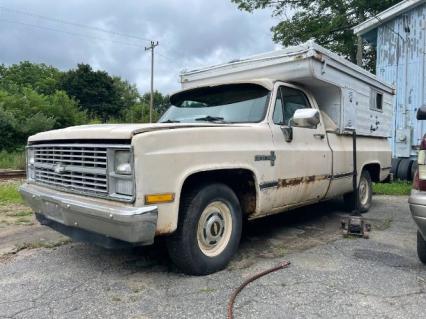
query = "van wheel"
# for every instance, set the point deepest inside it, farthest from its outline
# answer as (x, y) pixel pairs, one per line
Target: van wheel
(365, 192)
(421, 247)
(209, 230)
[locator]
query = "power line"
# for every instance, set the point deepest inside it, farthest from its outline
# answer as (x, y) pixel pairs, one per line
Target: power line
(70, 33)
(79, 25)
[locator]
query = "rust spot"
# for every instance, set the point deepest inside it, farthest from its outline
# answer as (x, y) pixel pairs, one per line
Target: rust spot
(164, 230)
(319, 57)
(301, 180)
(248, 203)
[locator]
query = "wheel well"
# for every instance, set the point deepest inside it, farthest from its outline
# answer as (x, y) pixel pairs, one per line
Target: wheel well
(374, 170)
(241, 181)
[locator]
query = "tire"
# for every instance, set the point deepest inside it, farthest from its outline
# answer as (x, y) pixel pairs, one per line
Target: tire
(404, 169)
(365, 194)
(421, 248)
(209, 230)
(394, 166)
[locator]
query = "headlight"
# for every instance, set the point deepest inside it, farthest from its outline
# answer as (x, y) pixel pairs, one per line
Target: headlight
(122, 163)
(121, 181)
(30, 163)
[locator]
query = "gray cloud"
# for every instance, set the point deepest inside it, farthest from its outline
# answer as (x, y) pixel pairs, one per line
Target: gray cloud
(191, 33)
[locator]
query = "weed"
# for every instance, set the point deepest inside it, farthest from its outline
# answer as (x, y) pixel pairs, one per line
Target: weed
(21, 213)
(12, 160)
(9, 193)
(395, 188)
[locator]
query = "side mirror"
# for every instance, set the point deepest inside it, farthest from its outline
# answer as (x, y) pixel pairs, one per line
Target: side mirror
(421, 113)
(308, 118)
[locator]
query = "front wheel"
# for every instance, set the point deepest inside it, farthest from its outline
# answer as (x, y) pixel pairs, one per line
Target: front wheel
(209, 230)
(363, 199)
(421, 247)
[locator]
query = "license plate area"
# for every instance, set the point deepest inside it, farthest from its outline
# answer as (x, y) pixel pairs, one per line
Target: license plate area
(52, 211)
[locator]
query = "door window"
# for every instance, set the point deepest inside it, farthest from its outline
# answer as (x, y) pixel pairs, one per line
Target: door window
(288, 101)
(278, 110)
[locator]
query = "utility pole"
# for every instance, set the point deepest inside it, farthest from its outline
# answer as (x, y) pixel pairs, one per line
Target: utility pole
(151, 102)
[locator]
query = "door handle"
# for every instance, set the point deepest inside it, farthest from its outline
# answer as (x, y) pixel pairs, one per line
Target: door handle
(319, 135)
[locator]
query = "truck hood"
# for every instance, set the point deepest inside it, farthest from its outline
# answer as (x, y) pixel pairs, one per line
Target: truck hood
(111, 131)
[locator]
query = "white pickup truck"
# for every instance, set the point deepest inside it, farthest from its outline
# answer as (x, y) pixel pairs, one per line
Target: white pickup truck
(226, 150)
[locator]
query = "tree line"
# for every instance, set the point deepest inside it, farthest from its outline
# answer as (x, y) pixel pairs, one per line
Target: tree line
(39, 97)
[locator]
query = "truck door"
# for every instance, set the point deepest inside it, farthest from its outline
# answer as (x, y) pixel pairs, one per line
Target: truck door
(304, 164)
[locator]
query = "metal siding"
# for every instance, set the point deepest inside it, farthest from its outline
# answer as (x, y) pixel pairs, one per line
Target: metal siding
(401, 61)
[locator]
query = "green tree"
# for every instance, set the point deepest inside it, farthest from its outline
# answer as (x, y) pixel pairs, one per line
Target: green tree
(329, 22)
(161, 102)
(8, 133)
(27, 112)
(40, 77)
(127, 92)
(94, 90)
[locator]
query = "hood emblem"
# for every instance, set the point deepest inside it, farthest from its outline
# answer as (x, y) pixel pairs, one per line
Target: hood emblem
(59, 168)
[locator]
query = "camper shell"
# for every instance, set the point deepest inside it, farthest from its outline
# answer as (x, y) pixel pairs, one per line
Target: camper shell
(352, 97)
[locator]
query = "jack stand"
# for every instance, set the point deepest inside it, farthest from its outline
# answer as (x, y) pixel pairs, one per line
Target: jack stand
(355, 225)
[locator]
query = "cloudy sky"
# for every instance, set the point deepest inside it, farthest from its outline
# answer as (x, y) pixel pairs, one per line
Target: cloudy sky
(191, 33)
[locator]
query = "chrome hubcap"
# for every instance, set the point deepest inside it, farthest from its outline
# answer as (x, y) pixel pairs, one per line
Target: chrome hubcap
(214, 228)
(363, 191)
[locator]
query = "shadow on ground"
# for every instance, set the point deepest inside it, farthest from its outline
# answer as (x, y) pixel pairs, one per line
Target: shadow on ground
(265, 238)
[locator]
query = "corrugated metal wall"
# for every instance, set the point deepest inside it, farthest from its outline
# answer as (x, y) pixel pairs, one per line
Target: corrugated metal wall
(401, 59)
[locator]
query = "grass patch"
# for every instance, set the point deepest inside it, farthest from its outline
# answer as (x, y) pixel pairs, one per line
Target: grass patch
(42, 244)
(12, 160)
(9, 193)
(394, 188)
(24, 221)
(21, 213)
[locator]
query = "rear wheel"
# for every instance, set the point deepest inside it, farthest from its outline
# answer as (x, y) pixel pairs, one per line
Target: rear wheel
(363, 198)
(394, 166)
(209, 230)
(404, 169)
(421, 247)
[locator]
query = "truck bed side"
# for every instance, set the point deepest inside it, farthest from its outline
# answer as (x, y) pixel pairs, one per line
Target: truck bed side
(373, 154)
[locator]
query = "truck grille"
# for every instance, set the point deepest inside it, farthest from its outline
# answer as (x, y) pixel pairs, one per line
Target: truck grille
(80, 168)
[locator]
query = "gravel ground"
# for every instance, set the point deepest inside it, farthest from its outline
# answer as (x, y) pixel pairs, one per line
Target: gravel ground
(330, 277)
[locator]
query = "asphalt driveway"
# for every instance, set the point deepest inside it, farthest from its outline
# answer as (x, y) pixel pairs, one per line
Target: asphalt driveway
(330, 277)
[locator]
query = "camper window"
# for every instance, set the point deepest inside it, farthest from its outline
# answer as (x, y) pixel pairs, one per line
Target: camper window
(376, 101)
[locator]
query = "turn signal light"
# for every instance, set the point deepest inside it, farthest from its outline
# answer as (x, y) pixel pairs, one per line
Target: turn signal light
(159, 198)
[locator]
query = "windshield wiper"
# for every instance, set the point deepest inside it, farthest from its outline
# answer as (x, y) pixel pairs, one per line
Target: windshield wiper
(209, 118)
(171, 121)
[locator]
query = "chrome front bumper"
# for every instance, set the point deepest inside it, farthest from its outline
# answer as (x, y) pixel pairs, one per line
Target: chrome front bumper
(134, 225)
(417, 201)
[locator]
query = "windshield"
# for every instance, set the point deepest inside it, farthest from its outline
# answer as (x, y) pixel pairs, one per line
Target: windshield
(231, 103)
